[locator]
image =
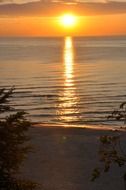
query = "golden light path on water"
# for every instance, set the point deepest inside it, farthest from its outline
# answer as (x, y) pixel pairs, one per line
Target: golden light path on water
(68, 99)
(68, 62)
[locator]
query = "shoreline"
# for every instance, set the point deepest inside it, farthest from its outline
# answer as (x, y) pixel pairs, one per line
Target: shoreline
(92, 127)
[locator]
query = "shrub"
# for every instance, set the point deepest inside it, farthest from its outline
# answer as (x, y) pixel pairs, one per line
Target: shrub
(13, 145)
(111, 151)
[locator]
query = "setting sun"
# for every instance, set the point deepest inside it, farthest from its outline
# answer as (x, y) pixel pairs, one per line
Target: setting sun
(68, 20)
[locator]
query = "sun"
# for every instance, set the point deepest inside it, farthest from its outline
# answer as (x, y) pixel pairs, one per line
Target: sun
(68, 20)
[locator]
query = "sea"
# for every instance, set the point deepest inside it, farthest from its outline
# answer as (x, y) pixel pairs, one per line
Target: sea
(65, 81)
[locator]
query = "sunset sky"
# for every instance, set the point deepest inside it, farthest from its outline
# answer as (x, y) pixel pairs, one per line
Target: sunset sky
(41, 17)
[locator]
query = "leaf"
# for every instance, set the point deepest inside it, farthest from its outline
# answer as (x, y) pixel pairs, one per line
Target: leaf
(122, 105)
(95, 174)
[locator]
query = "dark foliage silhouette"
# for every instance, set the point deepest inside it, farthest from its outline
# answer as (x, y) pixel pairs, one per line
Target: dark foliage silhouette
(13, 145)
(110, 150)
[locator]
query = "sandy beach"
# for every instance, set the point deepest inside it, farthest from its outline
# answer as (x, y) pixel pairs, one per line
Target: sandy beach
(63, 159)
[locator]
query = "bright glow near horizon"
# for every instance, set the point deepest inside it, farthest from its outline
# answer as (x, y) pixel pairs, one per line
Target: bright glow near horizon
(68, 20)
(98, 25)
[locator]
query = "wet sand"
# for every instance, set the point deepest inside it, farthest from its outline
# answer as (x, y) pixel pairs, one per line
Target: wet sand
(63, 159)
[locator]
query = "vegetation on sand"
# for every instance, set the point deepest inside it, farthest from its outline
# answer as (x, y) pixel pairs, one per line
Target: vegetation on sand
(111, 151)
(13, 145)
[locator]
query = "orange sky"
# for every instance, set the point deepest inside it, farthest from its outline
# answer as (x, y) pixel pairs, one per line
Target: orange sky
(46, 26)
(103, 20)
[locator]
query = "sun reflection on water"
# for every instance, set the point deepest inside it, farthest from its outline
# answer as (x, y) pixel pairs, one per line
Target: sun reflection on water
(68, 98)
(68, 62)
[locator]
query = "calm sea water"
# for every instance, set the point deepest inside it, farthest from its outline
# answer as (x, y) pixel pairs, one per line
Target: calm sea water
(68, 81)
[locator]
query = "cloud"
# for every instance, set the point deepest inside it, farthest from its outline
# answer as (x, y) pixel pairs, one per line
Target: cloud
(57, 7)
(65, 1)
(16, 1)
